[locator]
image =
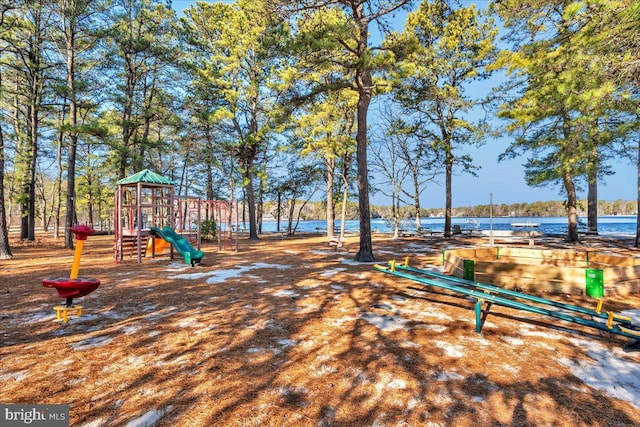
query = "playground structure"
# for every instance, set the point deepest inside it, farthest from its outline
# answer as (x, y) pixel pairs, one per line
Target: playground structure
(146, 199)
(483, 293)
(73, 286)
(568, 271)
(190, 212)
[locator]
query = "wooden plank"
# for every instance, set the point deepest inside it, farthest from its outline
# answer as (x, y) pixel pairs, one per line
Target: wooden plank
(544, 254)
(621, 274)
(462, 253)
(485, 253)
(531, 284)
(541, 262)
(454, 265)
(603, 260)
(545, 270)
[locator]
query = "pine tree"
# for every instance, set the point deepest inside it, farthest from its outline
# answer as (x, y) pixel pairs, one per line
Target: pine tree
(441, 52)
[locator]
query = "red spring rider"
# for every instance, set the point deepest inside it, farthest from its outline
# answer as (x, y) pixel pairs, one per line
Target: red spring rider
(73, 286)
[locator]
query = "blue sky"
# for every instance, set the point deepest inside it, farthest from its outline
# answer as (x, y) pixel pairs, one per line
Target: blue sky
(505, 180)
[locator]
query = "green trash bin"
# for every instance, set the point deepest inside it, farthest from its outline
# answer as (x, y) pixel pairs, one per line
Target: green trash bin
(594, 279)
(469, 270)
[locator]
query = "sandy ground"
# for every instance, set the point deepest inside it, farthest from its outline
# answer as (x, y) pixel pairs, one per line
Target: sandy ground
(287, 332)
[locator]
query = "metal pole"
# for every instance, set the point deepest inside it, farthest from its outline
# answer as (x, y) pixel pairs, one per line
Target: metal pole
(491, 219)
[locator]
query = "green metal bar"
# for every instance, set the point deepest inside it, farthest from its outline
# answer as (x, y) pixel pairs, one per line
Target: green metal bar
(479, 316)
(506, 302)
(515, 294)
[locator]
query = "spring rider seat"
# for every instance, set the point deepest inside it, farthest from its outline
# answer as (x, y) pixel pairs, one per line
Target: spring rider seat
(73, 286)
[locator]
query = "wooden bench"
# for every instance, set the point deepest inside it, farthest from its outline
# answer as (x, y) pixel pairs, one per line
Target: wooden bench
(470, 232)
(427, 232)
(456, 229)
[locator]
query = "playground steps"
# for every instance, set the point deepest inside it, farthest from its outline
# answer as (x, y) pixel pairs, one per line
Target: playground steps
(130, 246)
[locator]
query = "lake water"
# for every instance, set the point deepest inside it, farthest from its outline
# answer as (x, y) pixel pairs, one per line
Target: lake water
(618, 224)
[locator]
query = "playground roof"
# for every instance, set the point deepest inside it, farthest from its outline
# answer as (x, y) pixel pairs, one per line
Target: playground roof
(146, 176)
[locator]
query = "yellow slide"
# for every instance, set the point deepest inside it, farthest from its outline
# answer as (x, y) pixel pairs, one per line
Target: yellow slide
(160, 243)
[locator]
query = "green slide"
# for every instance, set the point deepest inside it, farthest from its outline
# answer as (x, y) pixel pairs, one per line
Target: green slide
(191, 255)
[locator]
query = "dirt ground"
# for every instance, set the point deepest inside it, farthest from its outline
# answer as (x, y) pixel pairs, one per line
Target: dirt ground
(288, 332)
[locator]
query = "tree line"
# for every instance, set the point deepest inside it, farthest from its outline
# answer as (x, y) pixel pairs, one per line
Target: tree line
(269, 102)
(555, 208)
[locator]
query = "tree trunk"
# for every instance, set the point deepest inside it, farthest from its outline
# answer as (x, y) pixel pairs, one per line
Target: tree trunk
(260, 204)
(58, 184)
(90, 200)
(209, 188)
(279, 212)
(127, 124)
(448, 200)
(19, 161)
(365, 90)
(24, 216)
(209, 167)
(230, 216)
(592, 195)
(251, 201)
(572, 209)
(244, 209)
(69, 23)
(131, 76)
(69, 220)
(33, 124)
(148, 94)
(416, 201)
(261, 190)
(569, 186)
(365, 254)
(331, 214)
(292, 206)
(345, 197)
(637, 242)
(395, 212)
(592, 203)
(183, 177)
(44, 208)
(5, 249)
